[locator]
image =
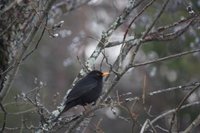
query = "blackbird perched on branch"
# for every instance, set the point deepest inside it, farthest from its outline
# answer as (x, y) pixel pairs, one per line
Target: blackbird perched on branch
(86, 90)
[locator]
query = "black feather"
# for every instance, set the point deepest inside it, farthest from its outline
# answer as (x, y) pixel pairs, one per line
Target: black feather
(86, 91)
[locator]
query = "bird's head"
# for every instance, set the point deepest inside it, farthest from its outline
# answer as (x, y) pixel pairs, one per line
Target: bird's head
(98, 74)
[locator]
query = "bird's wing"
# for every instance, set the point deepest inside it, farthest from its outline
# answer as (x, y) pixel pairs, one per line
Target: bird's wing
(83, 86)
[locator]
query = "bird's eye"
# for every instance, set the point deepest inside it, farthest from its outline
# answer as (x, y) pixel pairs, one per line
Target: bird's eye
(98, 74)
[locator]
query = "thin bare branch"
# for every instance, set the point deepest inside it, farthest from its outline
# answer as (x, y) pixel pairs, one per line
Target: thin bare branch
(166, 58)
(180, 105)
(155, 20)
(170, 112)
(37, 44)
(138, 15)
(194, 124)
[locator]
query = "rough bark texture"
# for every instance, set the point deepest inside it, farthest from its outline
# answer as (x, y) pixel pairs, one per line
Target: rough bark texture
(15, 23)
(3, 60)
(6, 19)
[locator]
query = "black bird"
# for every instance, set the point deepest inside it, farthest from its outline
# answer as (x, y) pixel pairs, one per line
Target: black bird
(86, 90)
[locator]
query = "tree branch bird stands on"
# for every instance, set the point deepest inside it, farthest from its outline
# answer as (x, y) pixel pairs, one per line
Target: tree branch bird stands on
(86, 90)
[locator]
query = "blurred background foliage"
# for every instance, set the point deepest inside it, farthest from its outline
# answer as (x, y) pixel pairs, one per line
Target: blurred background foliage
(54, 64)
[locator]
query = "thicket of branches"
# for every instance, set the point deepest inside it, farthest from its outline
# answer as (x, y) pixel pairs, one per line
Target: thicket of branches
(23, 25)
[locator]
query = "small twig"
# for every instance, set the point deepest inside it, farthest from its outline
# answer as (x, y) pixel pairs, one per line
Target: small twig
(22, 124)
(144, 126)
(194, 124)
(119, 116)
(22, 112)
(155, 20)
(75, 5)
(8, 69)
(145, 34)
(159, 36)
(8, 27)
(180, 104)
(172, 111)
(101, 64)
(12, 128)
(175, 24)
(126, 32)
(167, 58)
(118, 99)
(152, 127)
(110, 65)
(133, 118)
(144, 92)
(182, 87)
(161, 128)
(98, 129)
(31, 127)
(37, 44)
(129, 26)
(116, 43)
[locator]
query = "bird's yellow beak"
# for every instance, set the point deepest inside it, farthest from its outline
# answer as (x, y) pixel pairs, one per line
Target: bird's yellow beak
(105, 74)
